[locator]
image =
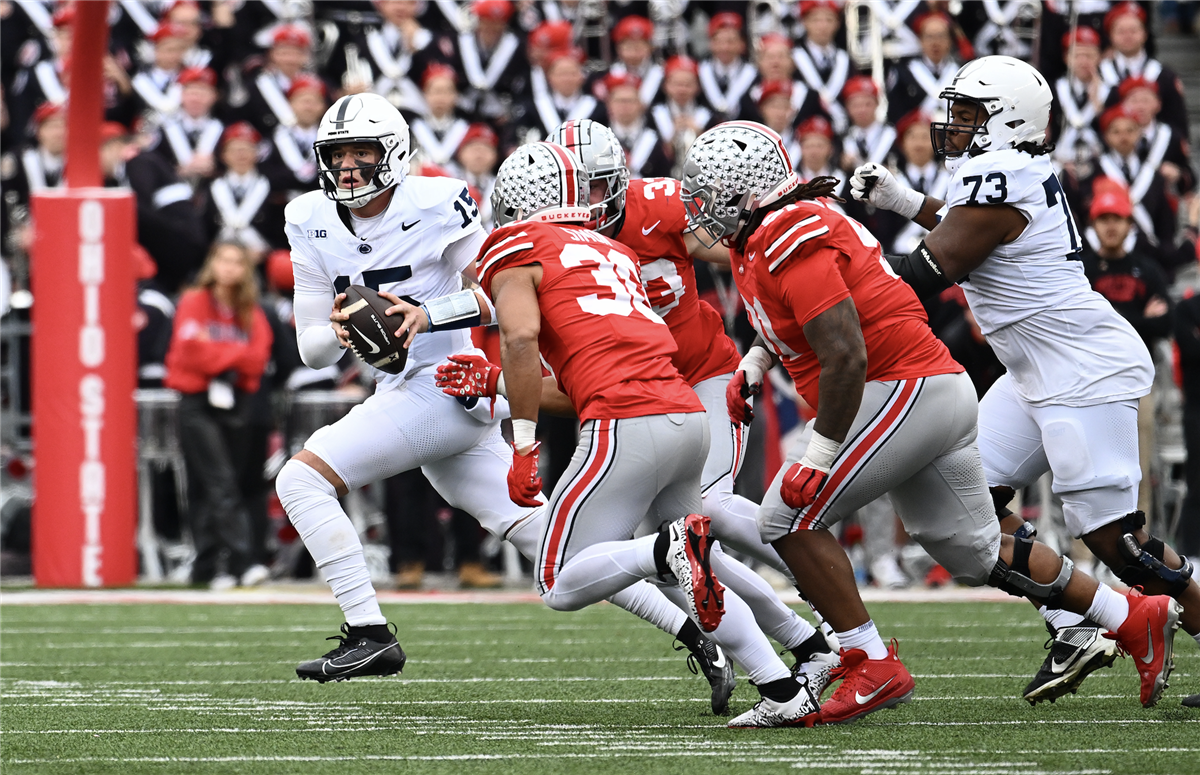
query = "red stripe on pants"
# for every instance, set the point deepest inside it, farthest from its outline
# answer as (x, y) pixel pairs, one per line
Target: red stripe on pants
(563, 514)
(847, 464)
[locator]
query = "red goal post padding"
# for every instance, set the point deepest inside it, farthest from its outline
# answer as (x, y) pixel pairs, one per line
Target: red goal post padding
(84, 354)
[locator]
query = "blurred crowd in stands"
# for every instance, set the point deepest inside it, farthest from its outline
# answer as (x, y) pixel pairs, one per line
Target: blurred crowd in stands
(211, 109)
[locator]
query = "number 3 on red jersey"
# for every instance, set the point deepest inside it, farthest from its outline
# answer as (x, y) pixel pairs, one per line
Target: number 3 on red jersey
(616, 272)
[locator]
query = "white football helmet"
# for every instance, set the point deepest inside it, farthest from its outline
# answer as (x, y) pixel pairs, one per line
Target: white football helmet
(363, 118)
(1015, 97)
(600, 151)
(729, 172)
(541, 182)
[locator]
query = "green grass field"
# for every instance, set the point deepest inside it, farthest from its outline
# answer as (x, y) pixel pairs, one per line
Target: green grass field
(518, 688)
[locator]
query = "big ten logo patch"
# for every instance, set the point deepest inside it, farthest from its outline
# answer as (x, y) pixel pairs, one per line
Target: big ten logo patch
(317, 234)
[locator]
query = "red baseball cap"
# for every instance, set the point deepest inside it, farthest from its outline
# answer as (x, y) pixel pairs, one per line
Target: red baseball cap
(279, 270)
(1123, 9)
(1114, 113)
(859, 84)
(911, 119)
(204, 75)
(773, 89)
(817, 125)
(64, 16)
(1082, 36)
(496, 10)
(807, 6)
(480, 133)
(617, 80)
(633, 27)
(46, 110)
(112, 130)
(681, 62)
(168, 30)
(1111, 201)
(571, 52)
(242, 130)
(1136, 82)
(306, 81)
(727, 20)
(920, 22)
(438, 70)
(291, 35)
(552, 35)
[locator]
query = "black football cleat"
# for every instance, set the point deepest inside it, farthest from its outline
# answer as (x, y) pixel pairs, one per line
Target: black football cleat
(355, 656)
(1075, 653)
(709, 659)
(1191, 701)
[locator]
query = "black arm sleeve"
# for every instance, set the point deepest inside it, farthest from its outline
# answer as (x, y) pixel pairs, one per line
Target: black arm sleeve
(920, 270)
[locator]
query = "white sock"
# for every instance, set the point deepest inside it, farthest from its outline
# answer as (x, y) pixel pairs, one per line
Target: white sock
(771, 615)
(1060, 617)
(645, 600)
(601, 570)
(740, 638)
(864, 637)
(1109, 609)
(311, 504)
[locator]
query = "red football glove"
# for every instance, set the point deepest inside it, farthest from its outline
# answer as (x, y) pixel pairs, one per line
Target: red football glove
(524, 484)
(737, 395)
(801, 485)
(468, 375)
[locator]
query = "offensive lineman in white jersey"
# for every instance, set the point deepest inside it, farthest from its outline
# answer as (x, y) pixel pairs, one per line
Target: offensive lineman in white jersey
(1076, 369)
(416, 238)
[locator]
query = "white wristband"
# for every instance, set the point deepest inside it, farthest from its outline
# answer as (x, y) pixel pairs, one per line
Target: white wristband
(820, 453)
(756, 363)
(524, 433)
(911, 203)
(500, 389)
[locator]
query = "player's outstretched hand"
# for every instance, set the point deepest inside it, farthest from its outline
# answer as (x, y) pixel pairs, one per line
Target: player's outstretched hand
(801, 484)
(337, 320)
(468, 375)
(413, 318)
(737, 397)
(874, 183)
(524, 484)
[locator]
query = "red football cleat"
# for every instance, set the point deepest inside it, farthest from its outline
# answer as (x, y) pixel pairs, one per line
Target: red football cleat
(688, 558)
(867, 685)
(1148, 633)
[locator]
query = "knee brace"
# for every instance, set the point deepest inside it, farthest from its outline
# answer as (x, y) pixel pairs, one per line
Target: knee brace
(1015, 579)
(1001, 497)
(1145, 561)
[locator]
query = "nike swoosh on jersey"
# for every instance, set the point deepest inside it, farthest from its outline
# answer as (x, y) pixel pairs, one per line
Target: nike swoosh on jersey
(374, 347)
(645, 232)
(1150, 638)
(407, 226)
(862, 699)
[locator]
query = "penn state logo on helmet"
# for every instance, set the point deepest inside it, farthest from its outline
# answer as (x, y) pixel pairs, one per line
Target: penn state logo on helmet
(601, 153)
(541, 182)
(1014, 96)
(730, 171)
(362, 118)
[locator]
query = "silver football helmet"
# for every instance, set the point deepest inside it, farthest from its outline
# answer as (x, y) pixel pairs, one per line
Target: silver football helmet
(600, 151)
(729, 172)
(1015, 97)
(541, 182)
(362, 118)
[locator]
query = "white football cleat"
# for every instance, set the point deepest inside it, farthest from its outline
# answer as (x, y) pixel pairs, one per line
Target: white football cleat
(800, 711)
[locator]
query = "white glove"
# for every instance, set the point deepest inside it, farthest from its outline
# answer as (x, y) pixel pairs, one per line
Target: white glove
(873, 183)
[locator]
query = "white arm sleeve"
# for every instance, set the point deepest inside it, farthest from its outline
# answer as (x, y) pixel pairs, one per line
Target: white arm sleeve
(462, 253)
(318, 344)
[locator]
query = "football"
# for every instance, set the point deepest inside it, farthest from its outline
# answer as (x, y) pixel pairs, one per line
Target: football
(371, 331)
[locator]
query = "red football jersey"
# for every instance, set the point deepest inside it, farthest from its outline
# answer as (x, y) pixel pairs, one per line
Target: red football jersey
(807, 257)
(607, 350)
(653, 229)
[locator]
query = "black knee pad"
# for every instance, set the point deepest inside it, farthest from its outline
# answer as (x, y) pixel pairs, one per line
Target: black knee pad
(1145, 562)
(1001, 497)
(1015, 579)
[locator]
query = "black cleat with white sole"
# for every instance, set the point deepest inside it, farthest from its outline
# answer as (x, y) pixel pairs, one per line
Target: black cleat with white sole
(356, 655)
(708, 658)
(1075, 653)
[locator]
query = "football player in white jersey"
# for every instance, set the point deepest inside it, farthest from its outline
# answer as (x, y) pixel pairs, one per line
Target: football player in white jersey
(417, 238)
(1076, 369)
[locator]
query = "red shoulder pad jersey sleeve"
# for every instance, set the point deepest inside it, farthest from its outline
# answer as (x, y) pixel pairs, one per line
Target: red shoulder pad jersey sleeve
(809, 258)
(653, 229)
(608, 352)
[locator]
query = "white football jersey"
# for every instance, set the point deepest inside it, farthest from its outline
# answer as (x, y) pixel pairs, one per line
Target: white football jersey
(403, 255)
(1061, 341)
